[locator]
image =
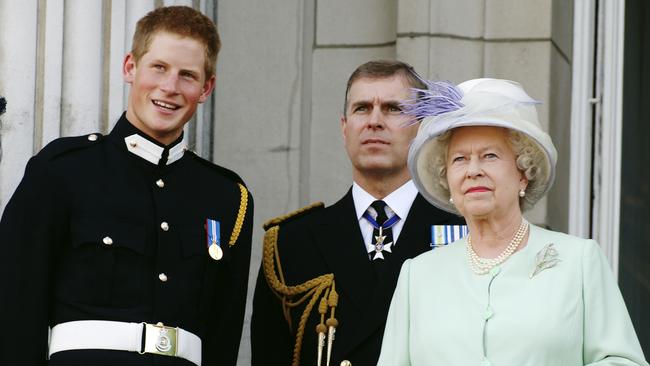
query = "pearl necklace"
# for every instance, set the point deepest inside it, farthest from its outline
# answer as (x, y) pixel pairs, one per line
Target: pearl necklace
(482, 266)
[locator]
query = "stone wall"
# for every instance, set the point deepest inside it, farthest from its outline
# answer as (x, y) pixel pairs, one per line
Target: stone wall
(275, 114)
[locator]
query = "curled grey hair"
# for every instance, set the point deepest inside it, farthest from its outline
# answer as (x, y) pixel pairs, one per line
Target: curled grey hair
(530, 160)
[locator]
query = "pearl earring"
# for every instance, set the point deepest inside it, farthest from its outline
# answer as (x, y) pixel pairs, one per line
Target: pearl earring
(522, 193)
(451, 200)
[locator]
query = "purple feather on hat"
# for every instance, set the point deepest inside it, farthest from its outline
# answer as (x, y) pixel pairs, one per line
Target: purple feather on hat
(439, 97)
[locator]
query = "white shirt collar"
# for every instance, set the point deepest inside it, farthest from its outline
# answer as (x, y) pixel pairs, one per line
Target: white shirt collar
(151, 152)
(400, 200)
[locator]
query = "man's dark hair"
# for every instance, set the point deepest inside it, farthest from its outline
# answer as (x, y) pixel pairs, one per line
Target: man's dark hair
(379, 69)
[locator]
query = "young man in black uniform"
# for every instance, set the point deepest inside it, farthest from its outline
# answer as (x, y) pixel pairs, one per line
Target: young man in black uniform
(333, 270)
(132, 250)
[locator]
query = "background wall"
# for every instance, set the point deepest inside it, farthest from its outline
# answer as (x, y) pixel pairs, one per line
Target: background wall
(281, 74)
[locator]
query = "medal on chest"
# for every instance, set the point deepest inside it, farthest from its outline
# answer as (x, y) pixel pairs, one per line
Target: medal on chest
(213, 229)
(442, 235)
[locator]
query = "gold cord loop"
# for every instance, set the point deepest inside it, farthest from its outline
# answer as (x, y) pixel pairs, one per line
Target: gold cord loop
(241, 214)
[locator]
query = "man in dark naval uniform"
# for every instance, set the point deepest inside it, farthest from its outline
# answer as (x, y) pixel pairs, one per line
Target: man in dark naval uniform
(328, 274)
(130, 249)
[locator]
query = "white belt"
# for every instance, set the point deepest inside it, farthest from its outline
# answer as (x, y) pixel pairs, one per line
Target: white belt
(123, 336)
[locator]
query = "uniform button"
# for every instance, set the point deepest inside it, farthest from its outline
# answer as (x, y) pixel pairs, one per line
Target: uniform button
(160, 183)
(162, 277)
(164, 226)
(488, 313)
(107, 240)
(92, 137)
(133, 144)
(495, 271)
(346, 363)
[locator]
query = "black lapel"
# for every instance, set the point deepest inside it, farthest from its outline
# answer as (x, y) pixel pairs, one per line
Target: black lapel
(339, 239)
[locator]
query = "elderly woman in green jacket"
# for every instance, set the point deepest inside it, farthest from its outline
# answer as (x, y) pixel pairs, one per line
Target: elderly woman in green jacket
(509, 293)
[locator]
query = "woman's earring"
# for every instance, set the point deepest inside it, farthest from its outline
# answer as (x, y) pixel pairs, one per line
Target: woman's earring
(522, 193)
(451, 200)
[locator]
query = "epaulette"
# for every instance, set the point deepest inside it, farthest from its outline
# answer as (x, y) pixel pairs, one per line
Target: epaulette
(319, 292)
(293, 215)
(223, 171)
(67, 144)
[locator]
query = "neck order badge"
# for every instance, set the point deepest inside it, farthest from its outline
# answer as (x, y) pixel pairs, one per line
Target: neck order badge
(213, 229)
(382, 233)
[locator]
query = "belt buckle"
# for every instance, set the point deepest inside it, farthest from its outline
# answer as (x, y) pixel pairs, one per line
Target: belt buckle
(160, 340)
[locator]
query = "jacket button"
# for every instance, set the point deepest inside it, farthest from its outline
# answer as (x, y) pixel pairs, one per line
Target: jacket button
(346, 363)
(162, 277)
(107, 240)
(164, 226)
(488, 313)
(92, 137)
(160, 183)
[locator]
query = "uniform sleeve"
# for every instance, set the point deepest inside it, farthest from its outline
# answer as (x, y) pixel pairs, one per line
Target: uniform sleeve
(609, 337)
(396, 343)
(271, 340)
(33, 222)
(222, 345)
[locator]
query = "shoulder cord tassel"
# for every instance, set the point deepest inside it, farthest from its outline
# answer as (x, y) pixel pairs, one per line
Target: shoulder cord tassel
(332, 323)
(320, 328)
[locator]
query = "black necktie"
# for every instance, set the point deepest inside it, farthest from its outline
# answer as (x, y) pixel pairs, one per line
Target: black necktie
(382, 237)
(163, 158)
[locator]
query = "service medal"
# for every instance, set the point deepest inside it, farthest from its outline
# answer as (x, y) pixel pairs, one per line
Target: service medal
(215, 251)
(213, 228)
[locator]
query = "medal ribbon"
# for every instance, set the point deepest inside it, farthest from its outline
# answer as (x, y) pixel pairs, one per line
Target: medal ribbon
(389, 223)
(213, 228)
(444, 234)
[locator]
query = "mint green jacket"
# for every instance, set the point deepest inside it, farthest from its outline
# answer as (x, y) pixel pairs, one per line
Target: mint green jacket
(569, 313)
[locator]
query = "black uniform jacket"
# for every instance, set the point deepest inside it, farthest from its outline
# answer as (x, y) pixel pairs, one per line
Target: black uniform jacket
(329, 241)
(56, 266)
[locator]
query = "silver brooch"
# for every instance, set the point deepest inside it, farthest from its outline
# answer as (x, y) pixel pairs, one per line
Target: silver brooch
(546, 258)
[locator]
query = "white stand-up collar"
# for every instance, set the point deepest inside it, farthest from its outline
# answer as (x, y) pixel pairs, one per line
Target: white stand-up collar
(399, 201)
(151, 152)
